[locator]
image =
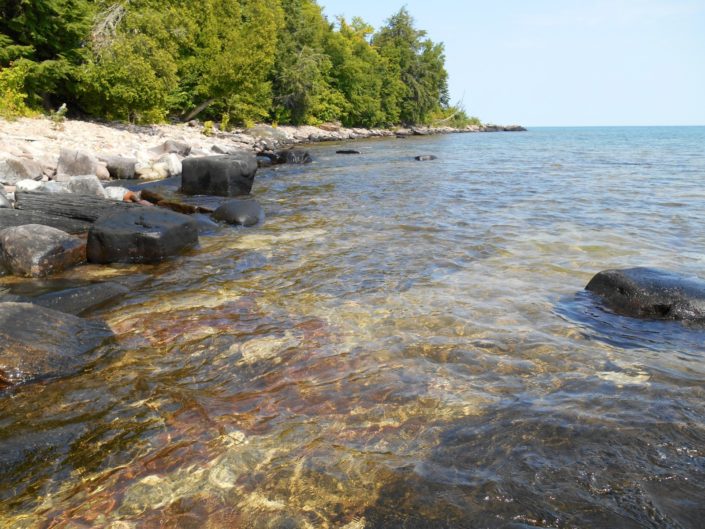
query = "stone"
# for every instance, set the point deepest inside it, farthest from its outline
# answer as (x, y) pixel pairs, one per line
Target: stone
(264, 161)
(172, 164)
(28, 185)
(347, 151)
(37, 343)
(120, 167)
(13, 169)
(224, 175)
(116, 193)
(155, 171)
(172, 146)
(54, 187)
(650, 293)
(425, 158)
(86, 185)
(81, 299)
(35, 250)
(76, 163)
(140, 235)
(4, 201)
(102, 172)
(240, 212)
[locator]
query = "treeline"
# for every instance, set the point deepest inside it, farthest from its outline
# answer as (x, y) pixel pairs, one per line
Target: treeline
(232, 61)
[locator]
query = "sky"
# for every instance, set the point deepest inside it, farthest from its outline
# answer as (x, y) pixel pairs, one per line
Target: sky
(563, 62)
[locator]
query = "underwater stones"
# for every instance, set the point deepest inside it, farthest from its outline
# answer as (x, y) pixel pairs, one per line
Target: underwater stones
(36, 342)
(347, 151)
(80, 299)
(425, 158)
(35, 250)
(240, 212)
(650, 293)
(223, 175)
(140, 235)
(297, 157)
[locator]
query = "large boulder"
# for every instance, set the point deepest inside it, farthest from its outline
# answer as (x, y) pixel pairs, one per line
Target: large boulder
(13, 169)
(34, 250)
(75, 163)
(171, 146)
(650, 293)
(36, 342)
(120, 167)
(240, 212)
(140, 235)
(226, 175)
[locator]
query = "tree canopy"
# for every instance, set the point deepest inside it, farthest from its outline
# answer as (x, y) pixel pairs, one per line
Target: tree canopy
(238, 61)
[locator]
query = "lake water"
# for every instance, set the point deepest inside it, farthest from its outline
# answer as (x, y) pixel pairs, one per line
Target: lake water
(401, 344)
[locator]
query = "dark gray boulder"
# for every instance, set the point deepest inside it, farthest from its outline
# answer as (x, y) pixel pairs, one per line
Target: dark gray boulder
(347, 151)
(425, 158)
(81, 299)
(140, 235)
(225, 175)
(240, 212)
(121, 168)
(36, 342)
(650, 293)
(35, 250)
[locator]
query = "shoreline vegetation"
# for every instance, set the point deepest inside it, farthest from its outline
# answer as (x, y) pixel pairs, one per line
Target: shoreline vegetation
(227, 62)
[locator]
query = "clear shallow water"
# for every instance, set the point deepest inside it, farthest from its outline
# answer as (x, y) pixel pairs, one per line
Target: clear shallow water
(402, 344)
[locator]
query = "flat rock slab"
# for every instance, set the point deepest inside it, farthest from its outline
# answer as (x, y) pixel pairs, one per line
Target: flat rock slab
(226, 175)
(140, 235)
(81, 299)
(240, 212)
(36, 342)
(35, 250)
(650, 293)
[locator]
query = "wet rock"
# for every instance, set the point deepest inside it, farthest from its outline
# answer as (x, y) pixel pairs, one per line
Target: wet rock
(140, 235)
(223, 175)
(240, 212)
(35, 250)
(172, 147)
(425, 158)
(121, 168)
(264, 161)
(75, 163)
(651, 293)
(36, 342)
(81, 299)
(86, 185)
(13, 169)
(347, 151)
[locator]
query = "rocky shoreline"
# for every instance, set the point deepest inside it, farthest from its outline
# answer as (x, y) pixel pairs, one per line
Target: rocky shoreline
(73, 192)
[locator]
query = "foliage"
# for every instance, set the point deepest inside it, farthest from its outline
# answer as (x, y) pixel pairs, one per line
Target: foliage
(12, 95)
(58, 117)
(453, 116)
(232, 61)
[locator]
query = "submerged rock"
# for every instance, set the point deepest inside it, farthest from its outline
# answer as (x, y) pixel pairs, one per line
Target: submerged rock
(240, 212)
(80, 299)
(140, 235)
(36, 251)
(223, 175)
(425, 158)
(36, 342)
(297, 157)
(347, 151)
(651, 293)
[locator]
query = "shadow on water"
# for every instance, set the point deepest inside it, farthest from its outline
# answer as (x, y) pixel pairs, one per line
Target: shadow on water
(521, 466)
(598, 323)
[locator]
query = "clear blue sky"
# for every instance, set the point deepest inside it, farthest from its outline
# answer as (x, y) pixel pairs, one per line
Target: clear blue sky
(564, 62)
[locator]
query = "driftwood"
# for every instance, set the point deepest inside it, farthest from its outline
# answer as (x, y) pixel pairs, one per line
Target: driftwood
(79, 207)
(179, 207)
(17, 217)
